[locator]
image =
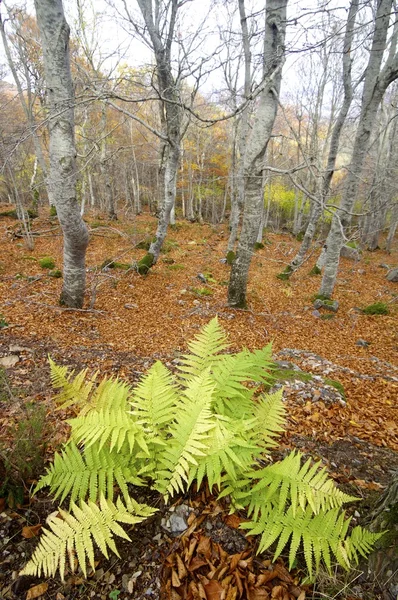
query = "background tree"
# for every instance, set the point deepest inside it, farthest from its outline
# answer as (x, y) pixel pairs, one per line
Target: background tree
(54, 32)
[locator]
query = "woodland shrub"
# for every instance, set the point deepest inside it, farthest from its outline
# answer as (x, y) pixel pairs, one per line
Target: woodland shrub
(210, 422)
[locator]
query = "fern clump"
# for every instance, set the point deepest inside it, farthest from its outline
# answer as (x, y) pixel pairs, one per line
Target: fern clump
(209, 421)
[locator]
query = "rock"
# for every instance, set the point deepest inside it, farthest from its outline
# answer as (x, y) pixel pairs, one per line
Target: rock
(361, 271)
(331, 305)
(223, 261)
(350, 253)
(176, 521)
(384, 266)
(316, 313)
(201, 277)
(393, 275)
(16, 349)
(9, 361)
(362, 343)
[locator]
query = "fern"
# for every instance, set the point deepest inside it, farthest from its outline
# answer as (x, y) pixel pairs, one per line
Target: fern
(188, 435)
(88, 474)
(76, 532)
(204, 350)
(320, 535)
(288, 481)
(210, 423)
(73, 390)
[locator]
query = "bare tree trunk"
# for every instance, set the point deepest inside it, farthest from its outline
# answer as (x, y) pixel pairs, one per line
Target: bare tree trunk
(383, 562)
(393, 227)
(376, 82)
(274, 44)
(318, 207)
(54, 32)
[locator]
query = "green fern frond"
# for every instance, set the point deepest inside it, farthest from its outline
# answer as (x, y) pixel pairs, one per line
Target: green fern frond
(320, 535)
(111, 424)
(76, 532)
(361, 542)
(188, 435)
(91, 473)
(270, 412)
(288, 483)
(155, 399)
(228, 453)
(73, 388)
(204, 350)
(111, 394)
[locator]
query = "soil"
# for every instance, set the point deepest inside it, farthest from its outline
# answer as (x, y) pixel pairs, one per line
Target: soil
(129, 321)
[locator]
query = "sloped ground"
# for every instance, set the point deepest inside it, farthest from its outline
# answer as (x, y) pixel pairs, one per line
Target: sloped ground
(129, 321)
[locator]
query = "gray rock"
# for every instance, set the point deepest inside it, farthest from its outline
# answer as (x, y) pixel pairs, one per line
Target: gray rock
(350, 253)
(331, 305)
(316, 313)
(384, 266)
(393, 275)
(223, 261)
(201, 277)
(362, 343)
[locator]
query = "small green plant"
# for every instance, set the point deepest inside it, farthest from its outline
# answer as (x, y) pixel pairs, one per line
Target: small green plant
(203, 424)
(4, 386)
(286, 273)
(352, 244)
(47, 262)
(53, 211)
(300, 236)
(201, 291)
(56, 273)
(3, 322)
(327, 316)
(258, 246)
(378, 308)
(337, 385)
(23, 458)
(175, 267)
(109, 263)
(324, 299)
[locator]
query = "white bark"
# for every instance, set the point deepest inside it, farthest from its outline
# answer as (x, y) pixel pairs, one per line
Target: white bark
(274, 44)
(54, 32)
(377, 80)
(318, 207)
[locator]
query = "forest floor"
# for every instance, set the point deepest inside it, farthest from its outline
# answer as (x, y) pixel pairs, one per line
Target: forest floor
(129, 321)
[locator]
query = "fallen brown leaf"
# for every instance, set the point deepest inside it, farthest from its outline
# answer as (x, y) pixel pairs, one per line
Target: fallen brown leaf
(37, 591)
(214, 591)
(31, 531)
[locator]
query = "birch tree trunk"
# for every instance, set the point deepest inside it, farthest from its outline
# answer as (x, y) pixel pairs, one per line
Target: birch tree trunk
(171, 111)
(318, 207)
(393, 227)
(54, 32)
(274, 45)
(377, 80)
(242, 131)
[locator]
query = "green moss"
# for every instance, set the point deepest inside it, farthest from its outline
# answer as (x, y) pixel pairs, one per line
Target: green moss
(315, 271)
(3, 322)
(145, 264)
(167, 260)
(230, 257)
(53, 211)
(175, 267)
(300, 236)
(325, 299)
(32, 214)
(286, 273)
(337, 385)
(47, 262)
(56, 273)
(280, 374)
(352, 245)
(168, 246)
(108, 263)
(258, 246)
(327, 316)
(95, 224)
(201, 291)
(378, 308)
(145, 244)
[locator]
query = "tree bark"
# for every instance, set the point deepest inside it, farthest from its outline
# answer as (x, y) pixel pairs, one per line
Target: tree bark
(377, 80)
(318, 207)
(274, 44)
(54, 32)
(383, 562)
